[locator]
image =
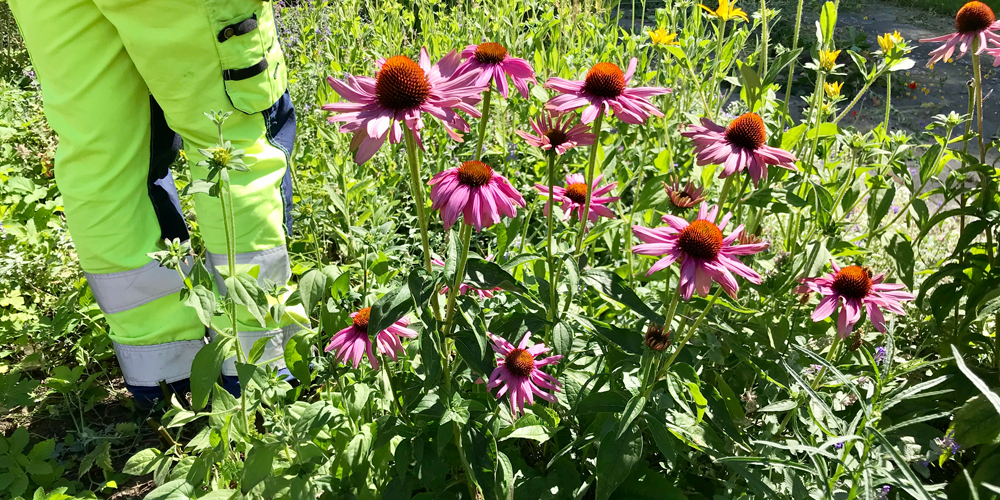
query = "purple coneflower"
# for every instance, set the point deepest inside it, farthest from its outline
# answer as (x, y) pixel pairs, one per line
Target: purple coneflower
(852, 288)
(688, 196)
(974, 22)
(554, 132)
(475, 190)
(492, 63)
(740, 146)
(704, 254)
(574, 195)
(518, 375)
(401, 92)
(464, 287)
(605, 88)
(352, 343)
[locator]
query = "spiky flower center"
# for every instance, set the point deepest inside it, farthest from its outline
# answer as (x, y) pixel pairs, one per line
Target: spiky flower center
(520, 362)
(401, 84)
(604, 80)
(361, 319)
(701, 240)
(556, 137)
(853, 282)
(747, 131)
(490, 53)
(974, 17)
(474, 173)
(577, 192)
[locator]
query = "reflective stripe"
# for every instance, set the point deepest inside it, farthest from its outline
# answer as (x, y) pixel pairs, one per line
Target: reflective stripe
(275, 347)
(147, 365)
(118, 292)
(273, 264)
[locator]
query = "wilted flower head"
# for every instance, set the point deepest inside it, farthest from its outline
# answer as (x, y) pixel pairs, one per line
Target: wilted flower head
(688, 196)
(558, 133)
(656, 338)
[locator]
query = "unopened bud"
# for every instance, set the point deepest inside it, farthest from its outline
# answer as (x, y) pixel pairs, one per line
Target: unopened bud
(656, 338)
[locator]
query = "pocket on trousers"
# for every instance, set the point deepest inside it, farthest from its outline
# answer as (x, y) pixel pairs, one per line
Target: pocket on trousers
(253, 66)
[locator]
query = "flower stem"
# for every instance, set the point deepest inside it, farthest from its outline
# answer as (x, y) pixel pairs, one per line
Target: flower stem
(553, 299)
(795, 45)
(392, 389)
(888, 102)
(717, 87)
(722, 197)
(482, 122)
(449, 322)
(763, 38)
(690, 333)
(470, 478)
(418, 199)
(590, 182)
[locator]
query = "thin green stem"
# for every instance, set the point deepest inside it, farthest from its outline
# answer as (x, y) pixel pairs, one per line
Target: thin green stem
(487, 101)
(693, 328)
(392, 389)
(723, 195)
(716, 77)
(795, 45)
(550, 254)
(888, 102)
(590, 181)
(631, 217)
(418, 199)
(449, 322)
(854, 101)
(763, 38)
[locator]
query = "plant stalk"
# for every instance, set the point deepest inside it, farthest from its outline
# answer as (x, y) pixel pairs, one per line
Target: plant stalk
(590, 181)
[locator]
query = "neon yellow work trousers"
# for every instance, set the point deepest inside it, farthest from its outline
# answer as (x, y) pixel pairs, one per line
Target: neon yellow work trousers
(123, 82)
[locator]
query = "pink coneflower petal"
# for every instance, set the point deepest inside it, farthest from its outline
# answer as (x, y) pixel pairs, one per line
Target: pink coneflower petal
(401, 91)
(557, 132)
(853, 288)
(974, 23)
(494, 64)
(605, 89)
(573, 197)
(352, 343)
(738, 147)
(475, 191)
(704, 253)
(518, 373)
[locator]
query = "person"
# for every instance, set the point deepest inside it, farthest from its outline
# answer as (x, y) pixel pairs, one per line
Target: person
(123, 83)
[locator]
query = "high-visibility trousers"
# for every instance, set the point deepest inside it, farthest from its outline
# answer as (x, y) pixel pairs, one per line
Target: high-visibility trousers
(123, 81)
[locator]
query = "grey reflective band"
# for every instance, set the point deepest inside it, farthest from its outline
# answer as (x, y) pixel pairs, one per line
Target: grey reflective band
(119, 292)
(147, 365)
(273, 264)
(275, 347)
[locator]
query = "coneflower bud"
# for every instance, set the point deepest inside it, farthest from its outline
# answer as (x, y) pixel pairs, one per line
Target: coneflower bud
(656, 338)
(856, 342)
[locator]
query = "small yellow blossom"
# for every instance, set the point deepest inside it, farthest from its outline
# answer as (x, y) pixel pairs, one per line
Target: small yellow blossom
(828, 59)
(833, 89)
(889, 40)
(661, 37)
(183, 156)
(726, 11)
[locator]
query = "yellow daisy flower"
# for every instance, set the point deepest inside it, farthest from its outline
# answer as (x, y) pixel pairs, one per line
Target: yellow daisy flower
(889, 40)
(661, 37)
(828, 59)
(727, 11)
(833, 89)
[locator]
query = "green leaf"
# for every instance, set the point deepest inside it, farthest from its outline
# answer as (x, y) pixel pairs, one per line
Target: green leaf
(473, 348)
(388, 309)
(141, 463)
(244, 290)
(562, 339)
(257, 466)
(903, 465)
(178, 489)
(312, 286)
(612, 285)
(991, 396)
(615, 459)
(538, 433)
(257, 350)
(356, 398)
(828, 22)
(297, 358)
(485, 275)
(976, 422)
(902, 252)
(203, 301)
(207, 367)
(602, 402)
(633, 409)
